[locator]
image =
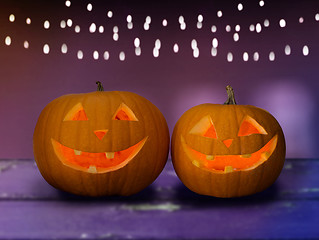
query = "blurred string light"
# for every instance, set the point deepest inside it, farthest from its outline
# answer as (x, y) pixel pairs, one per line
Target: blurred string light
(64, 48)
(266, 23)
(272, 56)
(116, 33)
(213, 52)
(236, 37)
(69, 22)
(200, 20)
(287, 50)
(305, 50)
(215, 43)
(12, 18)
(129, 20)
(258, 27)
(137, 45)
(101, 29)
(213, 29)
(147, 23)
(63, 24)
(89, 7)
(195, 48)
(156, 48)
(46, 24)
(282, 23)
(240, 6)
(80, 54)
(96, 55)
(7, 40)
(182, 23)
(164, 23)
(92, 28)
(245, 56)
(106, 55)
(46, 49)
(26, 44)
(175, 48)
(68, 3)
(229, 57)
(122, 56)
(77, 29)
(109, 14)
(256, 56)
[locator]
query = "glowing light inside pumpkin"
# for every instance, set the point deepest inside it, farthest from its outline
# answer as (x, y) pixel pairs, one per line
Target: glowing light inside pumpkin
(100, 133)
(229, 163)
(77, 113)
(124, 113)
(205, 128)
(250, 126)
(99, 162)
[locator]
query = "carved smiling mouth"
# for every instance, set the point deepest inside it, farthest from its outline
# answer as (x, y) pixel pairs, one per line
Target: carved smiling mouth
(230, 163)
(99, 162)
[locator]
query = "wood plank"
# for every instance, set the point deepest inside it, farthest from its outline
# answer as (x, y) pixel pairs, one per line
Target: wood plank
(32, 209)
(161, 220)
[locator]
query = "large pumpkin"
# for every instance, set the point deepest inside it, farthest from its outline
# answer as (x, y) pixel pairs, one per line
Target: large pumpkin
(227, 150)
(101, 143)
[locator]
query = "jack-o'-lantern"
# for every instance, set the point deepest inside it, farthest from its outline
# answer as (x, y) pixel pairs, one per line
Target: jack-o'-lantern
(227, 150)
(101, 143)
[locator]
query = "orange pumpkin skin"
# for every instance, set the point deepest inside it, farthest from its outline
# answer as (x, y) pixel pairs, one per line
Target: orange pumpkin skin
(225, 147)
(94, 129)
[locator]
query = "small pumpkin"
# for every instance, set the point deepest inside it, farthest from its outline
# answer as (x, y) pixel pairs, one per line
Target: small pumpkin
(101, 143)
(227, 150)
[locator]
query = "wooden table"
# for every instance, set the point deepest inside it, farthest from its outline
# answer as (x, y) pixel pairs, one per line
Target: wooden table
(32, 209)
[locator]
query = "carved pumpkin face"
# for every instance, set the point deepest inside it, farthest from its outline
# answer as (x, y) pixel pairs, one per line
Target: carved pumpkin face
(227, 150)
(97, 162)
(229, 162)
(101, 143)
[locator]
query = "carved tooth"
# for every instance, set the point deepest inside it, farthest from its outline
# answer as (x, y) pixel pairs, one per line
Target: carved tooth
(210, 157)
(196, 163)
(92, 169)
(228, 169)
(109, 155)
(265, 155)
(77, 152)
(246, 155)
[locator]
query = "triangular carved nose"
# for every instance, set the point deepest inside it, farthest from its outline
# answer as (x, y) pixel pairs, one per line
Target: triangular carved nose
(100, 133)
(228, 142)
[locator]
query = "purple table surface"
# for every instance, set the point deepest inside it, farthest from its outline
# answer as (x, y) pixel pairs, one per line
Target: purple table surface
(32, 209)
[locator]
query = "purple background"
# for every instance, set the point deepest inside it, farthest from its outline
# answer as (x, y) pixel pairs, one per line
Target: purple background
(174, 82)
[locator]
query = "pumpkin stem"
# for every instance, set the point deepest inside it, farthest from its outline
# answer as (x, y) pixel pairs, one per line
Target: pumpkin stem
(231, 96)
(99, 86)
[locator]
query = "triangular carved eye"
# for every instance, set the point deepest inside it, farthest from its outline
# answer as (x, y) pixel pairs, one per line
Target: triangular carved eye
(77, 113)
(205, 128)
(250, 126)
(124, 113)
